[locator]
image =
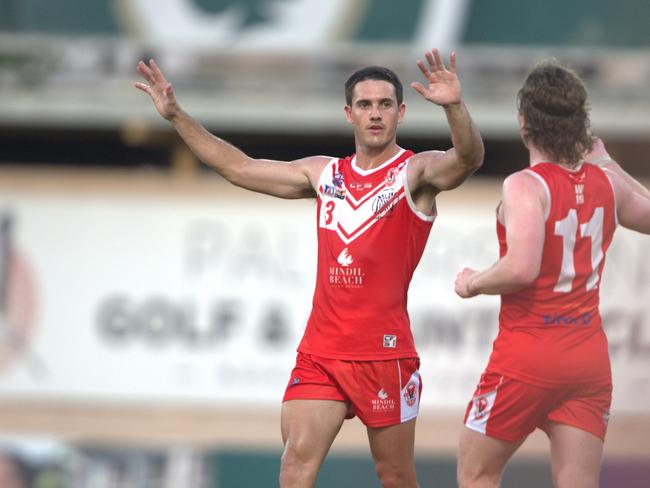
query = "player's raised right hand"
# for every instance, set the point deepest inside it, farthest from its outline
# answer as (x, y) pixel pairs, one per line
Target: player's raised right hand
(158, 88)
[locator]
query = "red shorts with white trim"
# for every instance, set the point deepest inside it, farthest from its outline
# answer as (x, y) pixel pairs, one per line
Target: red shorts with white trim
(380, 393)
(508, 409)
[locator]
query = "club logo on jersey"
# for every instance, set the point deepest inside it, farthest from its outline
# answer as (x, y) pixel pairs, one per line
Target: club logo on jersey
(345, 275)
(345, 258)
(382, 403)
(410, 393)
(337, 180)
(334, 192)
(580, 194)
(383, 203)
(391, 176)
(390, 341)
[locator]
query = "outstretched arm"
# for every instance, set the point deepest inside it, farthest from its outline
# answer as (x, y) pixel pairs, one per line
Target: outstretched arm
(523, 210)
(445, 171)
(295, 179)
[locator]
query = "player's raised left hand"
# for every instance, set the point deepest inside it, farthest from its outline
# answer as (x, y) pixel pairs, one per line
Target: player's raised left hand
(443, 86)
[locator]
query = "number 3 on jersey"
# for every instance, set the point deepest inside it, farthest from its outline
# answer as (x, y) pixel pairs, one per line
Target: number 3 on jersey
(327, 215)
(567, 228)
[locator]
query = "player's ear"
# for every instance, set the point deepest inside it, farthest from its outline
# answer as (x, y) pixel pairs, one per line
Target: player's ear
(348, 113)
(402, 112)
(521, 120)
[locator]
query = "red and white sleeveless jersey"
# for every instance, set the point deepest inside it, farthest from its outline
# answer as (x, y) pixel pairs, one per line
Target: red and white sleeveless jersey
(550, 332)
(370, 239)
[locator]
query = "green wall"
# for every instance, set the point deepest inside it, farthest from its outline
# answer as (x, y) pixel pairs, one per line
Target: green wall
(622, 23)
(243, 469)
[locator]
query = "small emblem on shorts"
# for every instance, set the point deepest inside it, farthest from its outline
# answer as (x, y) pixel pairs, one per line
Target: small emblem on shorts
(481, 405)
(390, 341)
(295, 381)
(410, 394)
(606, 418)
(382, 394)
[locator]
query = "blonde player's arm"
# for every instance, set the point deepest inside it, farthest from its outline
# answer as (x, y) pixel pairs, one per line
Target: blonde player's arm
(296, 179)
(447, 170)
(523, 207)
(632, 209)
(600, 156)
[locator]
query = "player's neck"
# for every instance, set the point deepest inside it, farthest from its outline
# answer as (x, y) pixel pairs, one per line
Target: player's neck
(537, 156)
(371, 157)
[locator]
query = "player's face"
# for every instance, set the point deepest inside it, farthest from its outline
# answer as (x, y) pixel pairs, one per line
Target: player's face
(374, 113)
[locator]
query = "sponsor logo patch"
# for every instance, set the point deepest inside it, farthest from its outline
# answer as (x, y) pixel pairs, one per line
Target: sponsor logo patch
(390, 341)
(345, 275)
(332, 191)
(383, 204)
(382, 403)
(345, 258)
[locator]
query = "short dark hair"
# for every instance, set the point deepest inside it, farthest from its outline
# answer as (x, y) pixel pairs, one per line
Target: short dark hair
(553, 101)
(373, 73)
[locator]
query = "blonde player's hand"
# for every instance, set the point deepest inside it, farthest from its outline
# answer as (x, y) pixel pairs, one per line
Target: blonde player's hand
(158, 88)
(463, 280)
(598, 154)
(443, 86)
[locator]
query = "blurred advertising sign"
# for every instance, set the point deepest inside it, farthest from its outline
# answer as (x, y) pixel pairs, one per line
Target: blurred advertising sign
(205, 300)
(294, 24)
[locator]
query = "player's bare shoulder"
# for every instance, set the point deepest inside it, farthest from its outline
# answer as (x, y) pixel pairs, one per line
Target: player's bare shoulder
(313, 166)
(422, 160)
(421, 164)
(523, 181)
(526, 189)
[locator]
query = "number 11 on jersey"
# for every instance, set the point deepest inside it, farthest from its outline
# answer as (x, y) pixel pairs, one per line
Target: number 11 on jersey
(567, 228)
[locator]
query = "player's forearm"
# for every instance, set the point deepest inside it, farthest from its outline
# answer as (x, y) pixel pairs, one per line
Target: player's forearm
(634, 184)
(216, 153)
(502, 278)
(465, 136)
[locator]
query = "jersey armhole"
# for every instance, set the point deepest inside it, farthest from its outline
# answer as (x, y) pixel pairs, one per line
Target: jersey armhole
(611, 185)
(411, 203)
(546, 189)
(321, 177)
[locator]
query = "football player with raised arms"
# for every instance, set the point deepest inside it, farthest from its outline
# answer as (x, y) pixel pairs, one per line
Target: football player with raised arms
(375, 210)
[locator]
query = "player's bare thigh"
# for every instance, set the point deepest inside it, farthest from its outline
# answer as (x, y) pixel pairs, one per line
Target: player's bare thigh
(482, 459)
(576, 456)
(312, 421)
(392, 450)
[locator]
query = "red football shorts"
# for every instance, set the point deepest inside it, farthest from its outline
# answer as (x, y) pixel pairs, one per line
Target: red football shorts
(508, 409)
(380, 393)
